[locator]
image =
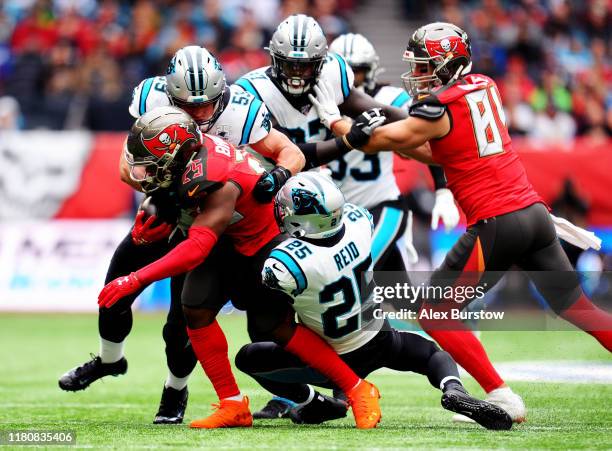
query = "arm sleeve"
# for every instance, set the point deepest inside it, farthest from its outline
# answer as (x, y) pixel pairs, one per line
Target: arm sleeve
(437, 173)
(318, 154)
(183, 258)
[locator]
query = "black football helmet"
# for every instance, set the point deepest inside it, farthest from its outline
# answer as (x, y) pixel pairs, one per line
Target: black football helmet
(160, 142)
(438, 53)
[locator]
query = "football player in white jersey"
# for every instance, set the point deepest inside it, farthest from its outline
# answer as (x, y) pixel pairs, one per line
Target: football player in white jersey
(194, 82)
(323, 269)
(299, 57)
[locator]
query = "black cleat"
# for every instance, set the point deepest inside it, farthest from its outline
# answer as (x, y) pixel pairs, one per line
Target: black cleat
(172, 406)
(83, 376)
(321, 408)
(275, 409)
(484, 413)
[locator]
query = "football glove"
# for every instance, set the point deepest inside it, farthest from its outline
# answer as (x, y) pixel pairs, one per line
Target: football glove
(144, 232)
(364, 125)
(119, 288)
(445, 209)
(325, 104)
(269, 183)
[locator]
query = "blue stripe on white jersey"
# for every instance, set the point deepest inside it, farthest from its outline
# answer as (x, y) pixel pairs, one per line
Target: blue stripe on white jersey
(248, 87)
(250, 120)
(346, 90)
(401, 99)
(146, 87)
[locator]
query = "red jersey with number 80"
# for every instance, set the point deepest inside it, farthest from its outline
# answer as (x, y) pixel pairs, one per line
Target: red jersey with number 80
(217, 163)
(484, 173)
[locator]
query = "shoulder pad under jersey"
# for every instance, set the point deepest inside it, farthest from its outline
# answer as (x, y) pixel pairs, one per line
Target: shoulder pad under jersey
(339, 75)
(427, 106)
(149, 94)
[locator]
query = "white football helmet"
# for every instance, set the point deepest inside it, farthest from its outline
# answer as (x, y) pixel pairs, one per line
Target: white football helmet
(298, 49)
(360, 54)
(309, 205)
(196, 83)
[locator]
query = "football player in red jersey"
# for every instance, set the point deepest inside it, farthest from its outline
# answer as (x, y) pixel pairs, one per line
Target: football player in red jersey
(460, 115)
(215, 184)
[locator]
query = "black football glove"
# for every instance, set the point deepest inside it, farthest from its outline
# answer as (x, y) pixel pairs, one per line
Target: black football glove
(364, 125)
(269, 183)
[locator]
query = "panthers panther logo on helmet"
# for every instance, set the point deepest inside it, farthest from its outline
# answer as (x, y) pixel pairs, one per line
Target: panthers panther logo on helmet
(306, 203)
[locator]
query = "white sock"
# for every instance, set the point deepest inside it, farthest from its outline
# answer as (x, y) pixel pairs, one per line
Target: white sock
(237, 397)
(504, 391)
(178, 383)
(110, 352)
(311, 396)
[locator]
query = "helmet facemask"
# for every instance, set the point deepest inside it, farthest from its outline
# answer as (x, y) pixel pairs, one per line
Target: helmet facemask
(438, 54)
(297, 76)
(205, 114)
(153, 174)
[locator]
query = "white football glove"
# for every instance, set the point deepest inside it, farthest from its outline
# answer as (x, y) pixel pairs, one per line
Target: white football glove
(445, 209)
(325, 104)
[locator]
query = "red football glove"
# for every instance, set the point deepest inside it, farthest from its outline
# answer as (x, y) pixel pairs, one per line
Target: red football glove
(119, 288)
(145, 232)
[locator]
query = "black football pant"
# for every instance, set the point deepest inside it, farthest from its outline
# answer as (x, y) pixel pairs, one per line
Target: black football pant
(115, 323)
(285, 375)
(525, 238)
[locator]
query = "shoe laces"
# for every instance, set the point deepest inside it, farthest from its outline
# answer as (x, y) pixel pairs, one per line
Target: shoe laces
(91, 363)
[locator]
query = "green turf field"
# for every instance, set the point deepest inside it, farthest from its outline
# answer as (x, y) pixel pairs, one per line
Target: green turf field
(117, 412)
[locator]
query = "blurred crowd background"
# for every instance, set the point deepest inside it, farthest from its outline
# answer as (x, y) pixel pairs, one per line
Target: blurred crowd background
(72, 64)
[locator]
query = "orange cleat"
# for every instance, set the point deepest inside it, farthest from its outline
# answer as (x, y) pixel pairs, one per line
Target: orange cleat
(229, 414)
(363, 398)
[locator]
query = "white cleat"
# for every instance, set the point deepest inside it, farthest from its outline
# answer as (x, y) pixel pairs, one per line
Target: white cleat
(507, 400)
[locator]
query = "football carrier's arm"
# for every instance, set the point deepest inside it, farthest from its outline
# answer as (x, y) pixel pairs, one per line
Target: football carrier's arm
(216, 213)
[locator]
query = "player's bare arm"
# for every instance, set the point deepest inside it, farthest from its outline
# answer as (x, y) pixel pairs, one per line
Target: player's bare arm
(217, 208)
(408, 137)
(279, 148)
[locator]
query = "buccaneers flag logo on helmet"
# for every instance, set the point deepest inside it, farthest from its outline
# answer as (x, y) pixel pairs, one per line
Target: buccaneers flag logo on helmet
(168, 139)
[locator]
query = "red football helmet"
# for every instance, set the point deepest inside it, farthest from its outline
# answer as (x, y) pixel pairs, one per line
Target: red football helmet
(438, 53)
(158, 143)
